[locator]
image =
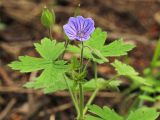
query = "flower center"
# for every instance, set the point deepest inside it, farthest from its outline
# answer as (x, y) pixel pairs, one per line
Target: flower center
(80, 34)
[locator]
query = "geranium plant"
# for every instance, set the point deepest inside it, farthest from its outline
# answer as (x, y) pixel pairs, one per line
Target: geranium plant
(59, 74)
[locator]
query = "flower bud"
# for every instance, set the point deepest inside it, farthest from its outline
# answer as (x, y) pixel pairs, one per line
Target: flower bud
(47, 18)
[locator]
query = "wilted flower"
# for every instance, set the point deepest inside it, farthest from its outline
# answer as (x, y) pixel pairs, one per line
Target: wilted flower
(79, 28)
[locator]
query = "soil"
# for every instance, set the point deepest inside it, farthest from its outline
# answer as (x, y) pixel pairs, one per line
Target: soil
(137, 21)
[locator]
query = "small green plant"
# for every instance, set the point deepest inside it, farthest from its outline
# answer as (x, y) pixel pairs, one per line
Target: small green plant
(148, 92)
(151, 74)
(58, 74)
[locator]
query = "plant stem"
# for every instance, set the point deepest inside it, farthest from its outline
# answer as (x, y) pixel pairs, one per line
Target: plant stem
(86, 64)
(77, 10)
(81, 59)
(90, 100)
(81, 102)
(95, 92)
(95, 72)
(81, 94)
(65, 46)
(50, 33)
(73, 98)
(141, 102)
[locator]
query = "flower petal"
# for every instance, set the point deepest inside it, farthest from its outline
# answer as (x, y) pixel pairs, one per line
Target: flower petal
(80, 22)
(69, 32)
(73, 23)
(88, 26)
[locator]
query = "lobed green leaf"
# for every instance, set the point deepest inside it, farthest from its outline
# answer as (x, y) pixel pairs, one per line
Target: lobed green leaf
(116, 48)
(51, 79)
(52, 76)
(29, 64)
(49, 49)
(103, 114)
(124, 69)
(97, 39)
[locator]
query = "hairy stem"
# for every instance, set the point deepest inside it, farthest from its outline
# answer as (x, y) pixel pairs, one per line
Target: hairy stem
(81, 93)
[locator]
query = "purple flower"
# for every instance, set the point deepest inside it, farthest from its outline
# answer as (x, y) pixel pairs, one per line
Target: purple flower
(79, 28)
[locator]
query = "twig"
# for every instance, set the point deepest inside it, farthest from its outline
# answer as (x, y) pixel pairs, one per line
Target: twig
(7, 109)
(126, 36)
(13, 48)
(54, 110)
(20, 90)
(36, 109)
(5, 76)
(60, 108)
(31, 97)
